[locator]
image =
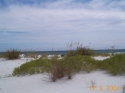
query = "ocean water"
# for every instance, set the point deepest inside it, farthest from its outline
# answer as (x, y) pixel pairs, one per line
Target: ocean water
(47, 52)
(64, 52)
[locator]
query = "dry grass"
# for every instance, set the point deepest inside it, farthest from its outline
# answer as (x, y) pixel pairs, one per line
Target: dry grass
(12, 54)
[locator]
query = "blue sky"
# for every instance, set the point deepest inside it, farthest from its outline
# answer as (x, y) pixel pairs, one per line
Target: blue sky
(46, 24)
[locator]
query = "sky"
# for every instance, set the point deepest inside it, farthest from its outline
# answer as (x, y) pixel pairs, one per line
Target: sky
(43, 25)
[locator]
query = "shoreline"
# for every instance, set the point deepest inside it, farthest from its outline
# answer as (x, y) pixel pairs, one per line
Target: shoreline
(65, 51)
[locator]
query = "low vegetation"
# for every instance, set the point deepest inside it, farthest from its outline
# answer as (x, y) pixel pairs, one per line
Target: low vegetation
(71, 65)
(114, 65)
(79, 50)
(73, 62)
(2, 55)
(31, 54)
(12, 54)
(57, 68)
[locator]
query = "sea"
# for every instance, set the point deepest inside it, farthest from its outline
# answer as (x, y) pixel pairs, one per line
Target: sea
(64, 52)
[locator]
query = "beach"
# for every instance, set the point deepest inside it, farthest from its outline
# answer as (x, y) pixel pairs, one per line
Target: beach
(40, 83)
(62, 46)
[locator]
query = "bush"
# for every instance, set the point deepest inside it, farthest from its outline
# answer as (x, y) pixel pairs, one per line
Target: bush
(12, 54)
(90, 64)
(84, 51)
(57, 70)
(71, 65)
(68, 66)
(32, 67)
(114, 65)
(79, 50)
(61, 68)
(62, 55)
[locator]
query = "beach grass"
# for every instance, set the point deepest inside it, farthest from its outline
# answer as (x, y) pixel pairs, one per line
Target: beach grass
(73, 62)
(2, 55)
(114, 65)
(12, 54)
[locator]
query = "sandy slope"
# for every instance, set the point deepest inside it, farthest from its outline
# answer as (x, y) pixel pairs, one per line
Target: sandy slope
(101, 58)
(39, 84)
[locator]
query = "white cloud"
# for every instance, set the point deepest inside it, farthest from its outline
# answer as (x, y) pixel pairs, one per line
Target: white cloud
(32, 18)
(65, 21)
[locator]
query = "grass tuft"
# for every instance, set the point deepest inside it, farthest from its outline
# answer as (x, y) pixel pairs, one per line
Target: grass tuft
(12, 54)
(114, 65)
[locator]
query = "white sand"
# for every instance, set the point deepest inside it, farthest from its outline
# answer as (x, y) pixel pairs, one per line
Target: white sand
(101, 58)
(39, 84)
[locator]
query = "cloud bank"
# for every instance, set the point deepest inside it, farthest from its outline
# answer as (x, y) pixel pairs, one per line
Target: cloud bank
(41, 25)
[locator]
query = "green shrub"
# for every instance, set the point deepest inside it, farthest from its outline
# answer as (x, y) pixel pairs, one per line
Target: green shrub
(57, 70)
(75, 62)
(114, 65)
(71, 65)
(32, 67)
(84, 51)
(61, 68)
(90, 64)
(62, 55)
(12, 54)
(79, 50)
(68, 66)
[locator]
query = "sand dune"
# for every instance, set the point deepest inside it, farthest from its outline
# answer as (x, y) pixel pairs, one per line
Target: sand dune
(37, 83)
